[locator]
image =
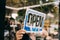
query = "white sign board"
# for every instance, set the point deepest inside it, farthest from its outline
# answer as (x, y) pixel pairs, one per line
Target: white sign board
(34, 21)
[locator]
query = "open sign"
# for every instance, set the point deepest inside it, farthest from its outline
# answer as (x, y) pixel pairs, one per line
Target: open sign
(34, 21)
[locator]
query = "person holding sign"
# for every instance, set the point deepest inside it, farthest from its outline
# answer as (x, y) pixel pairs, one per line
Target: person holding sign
(22, 35)
(33, 23)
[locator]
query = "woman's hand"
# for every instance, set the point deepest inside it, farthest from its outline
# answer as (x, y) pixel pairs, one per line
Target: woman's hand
(19, 34)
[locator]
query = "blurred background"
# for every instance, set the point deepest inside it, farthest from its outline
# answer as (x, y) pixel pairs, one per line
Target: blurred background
(15, 14)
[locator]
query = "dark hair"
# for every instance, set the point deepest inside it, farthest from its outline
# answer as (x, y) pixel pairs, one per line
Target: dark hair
(12, 18)
(20, 21)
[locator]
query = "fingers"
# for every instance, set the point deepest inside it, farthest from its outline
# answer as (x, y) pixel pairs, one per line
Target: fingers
(19, 37)
(44, 34)
(19, 34)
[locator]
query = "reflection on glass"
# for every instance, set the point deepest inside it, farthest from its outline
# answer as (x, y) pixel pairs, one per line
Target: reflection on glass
(37, 21)
(40, 21)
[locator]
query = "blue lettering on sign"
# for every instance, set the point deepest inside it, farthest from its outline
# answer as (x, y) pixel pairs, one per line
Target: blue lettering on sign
(33, 29)
(40, 29)
(36, 29)
(27, 28)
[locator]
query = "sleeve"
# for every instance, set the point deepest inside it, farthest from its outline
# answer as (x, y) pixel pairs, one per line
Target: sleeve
(26, 37)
